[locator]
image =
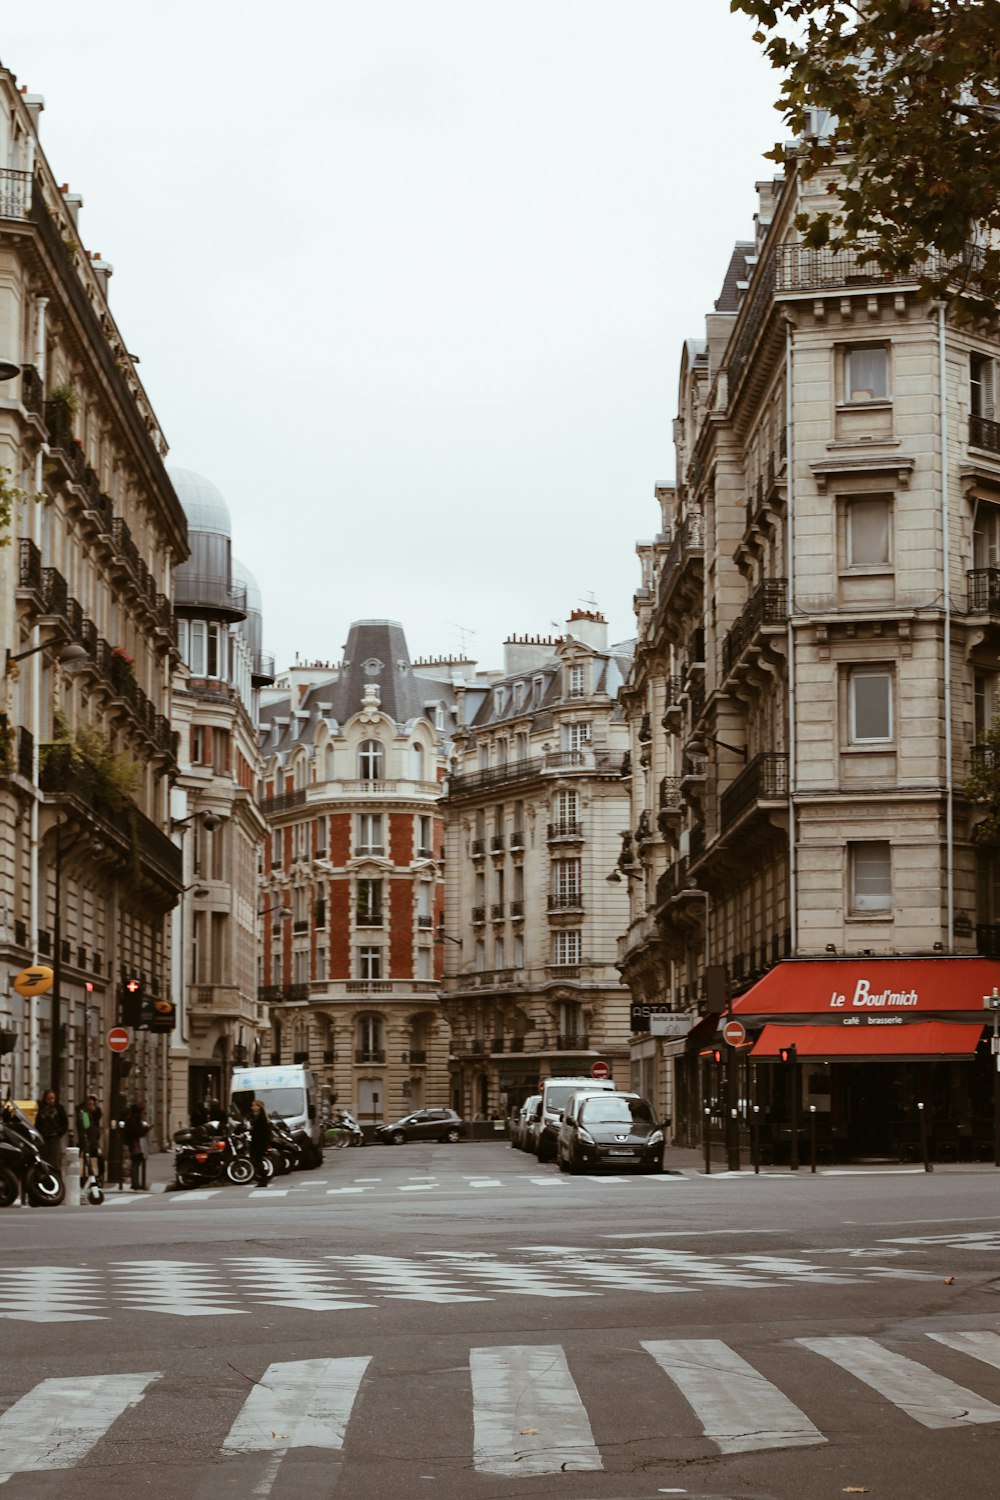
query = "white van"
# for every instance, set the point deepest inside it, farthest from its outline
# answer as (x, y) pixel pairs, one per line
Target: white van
(555, 1092)
(289, 1092)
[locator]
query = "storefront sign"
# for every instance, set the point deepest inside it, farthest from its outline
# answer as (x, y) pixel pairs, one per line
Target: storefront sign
(642, 1013)
(865, 995)
(840, 987)
(664, 1024)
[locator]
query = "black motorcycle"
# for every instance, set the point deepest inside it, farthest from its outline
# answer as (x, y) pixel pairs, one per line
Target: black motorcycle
(216, 1153)
(285, 1152)
(23, 1168)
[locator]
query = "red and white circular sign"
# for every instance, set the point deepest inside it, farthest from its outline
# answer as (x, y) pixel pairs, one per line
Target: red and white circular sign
(734, 1032)
(600, 1070)
(119, 1039)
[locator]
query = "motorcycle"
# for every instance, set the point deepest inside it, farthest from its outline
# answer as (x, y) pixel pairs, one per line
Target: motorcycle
(343, 1130)
(23, 1168)
(285, 1149)
(213, 1154)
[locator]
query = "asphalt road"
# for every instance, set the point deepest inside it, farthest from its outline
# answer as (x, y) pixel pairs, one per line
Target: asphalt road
(458, 1322)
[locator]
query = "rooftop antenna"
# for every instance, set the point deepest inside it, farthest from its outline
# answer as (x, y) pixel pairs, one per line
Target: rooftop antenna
(463, 631)
(590, 601)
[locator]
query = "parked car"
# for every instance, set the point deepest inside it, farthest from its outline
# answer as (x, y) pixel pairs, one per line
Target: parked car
(555, 1092)
(533, 1122)
(609, 1130)
(422, 1125)
(519, 1120)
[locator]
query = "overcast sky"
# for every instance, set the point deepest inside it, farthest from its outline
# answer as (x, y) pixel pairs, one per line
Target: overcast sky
(409, 279)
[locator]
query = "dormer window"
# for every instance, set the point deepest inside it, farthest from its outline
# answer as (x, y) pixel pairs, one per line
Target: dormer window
(518, 697)
(371, 761)
(577, 680)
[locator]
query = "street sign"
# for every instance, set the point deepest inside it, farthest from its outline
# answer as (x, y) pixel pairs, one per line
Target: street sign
(735, 1033)
(600, 1070)
(119, 1039)
(37, 980)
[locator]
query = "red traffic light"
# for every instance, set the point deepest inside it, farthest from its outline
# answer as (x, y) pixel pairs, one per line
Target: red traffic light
(788, 1054)
(133, 985)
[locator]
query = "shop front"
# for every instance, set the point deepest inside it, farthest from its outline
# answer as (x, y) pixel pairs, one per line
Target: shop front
(871, 1059)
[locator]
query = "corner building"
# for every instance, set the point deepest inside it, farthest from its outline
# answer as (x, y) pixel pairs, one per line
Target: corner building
(351, 890)
(535, 900)
(818, 619)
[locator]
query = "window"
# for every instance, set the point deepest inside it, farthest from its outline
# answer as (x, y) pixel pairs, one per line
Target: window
(300, 841)
(369, 834)
(576, 736)
(577, 681)
(866, 374)
(424, 964)
(868, 543)
(439, 717)
(424, 827)
(371, 1039)
(518, 697)
(571, 1029)
(371, 761)
(480, 955)
(871, 877)
(498, 954)
(484, 757)
(320, 826)
(565, 882)
(416, 761)
(566, 810)
(425, 898)
(498, 701)
(981, 399)
(986, 537)
(871, 707)
(369, 909)
(300, 966)
(198, 745)
(984, 703)
(276, 851)
(518, 951)
(369, 963)
(566, 946)
(300, 907)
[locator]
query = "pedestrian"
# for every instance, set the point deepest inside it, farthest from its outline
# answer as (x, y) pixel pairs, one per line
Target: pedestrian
(199, 1114)
(53, 1126)
(260, 1140)
(88, 1135)
(136, 1132)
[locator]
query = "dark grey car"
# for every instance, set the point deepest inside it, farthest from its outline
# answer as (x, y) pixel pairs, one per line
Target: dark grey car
(609, 1130)
(422, 1125)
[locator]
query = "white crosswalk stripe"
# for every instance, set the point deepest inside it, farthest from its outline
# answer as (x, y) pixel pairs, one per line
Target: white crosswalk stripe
(529, 1417)
(929, 1398)
(58, 1422)
(527, 1414)
(739, 1410)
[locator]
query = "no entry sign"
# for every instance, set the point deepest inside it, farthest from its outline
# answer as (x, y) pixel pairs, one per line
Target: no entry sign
(600, 1070)
(118, 1039)
(735, 1033)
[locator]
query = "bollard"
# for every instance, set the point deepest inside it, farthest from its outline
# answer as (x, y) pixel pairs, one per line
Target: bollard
(812, 1137)
(71, 1176)
(755, 1138)
(708, 1142)
(928, 1164)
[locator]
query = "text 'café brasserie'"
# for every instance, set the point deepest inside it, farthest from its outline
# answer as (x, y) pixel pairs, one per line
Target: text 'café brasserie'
(874, 1039)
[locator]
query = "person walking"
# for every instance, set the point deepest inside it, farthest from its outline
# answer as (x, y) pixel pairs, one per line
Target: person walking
(88, 1136)
(260, 1140)
(136, 1132)
(52, 1125)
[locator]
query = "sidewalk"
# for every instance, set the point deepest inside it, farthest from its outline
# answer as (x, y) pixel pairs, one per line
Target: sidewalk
(159, 1174)
(688, 1160)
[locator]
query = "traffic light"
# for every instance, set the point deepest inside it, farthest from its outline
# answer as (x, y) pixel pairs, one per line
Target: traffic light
(717, 1055)
(131, 1002)
(788, 1054)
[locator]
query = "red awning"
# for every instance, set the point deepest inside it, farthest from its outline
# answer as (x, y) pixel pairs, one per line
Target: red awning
(840, 987)
(930, 1040)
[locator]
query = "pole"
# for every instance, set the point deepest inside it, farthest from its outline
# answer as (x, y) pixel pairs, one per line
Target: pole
(812, 1138)
(796, 1102)
(54, 1071)
(928, 1165)
(708, 1142)
(755, 1138)
(732, 1112)
(996, 1090)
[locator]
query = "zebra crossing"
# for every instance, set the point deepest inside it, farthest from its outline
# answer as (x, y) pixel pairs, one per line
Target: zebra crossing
(529, 1415)
(340, 1283)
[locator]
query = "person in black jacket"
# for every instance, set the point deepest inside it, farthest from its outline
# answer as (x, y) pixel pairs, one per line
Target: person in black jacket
(53, 1127)
(260, 1139)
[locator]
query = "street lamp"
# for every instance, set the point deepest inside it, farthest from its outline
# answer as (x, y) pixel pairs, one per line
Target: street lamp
(69, 650)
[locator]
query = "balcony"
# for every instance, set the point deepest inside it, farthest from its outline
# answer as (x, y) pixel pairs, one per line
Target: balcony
(767, 607)
(497, 844)
(496, 912)
(566, 829)
(479, 915)
(209, 591)
(418, 1056)
(369, 919)
(566, 901)
(301, 924)
(765, 779)
(517, 841)
(588, 760)
(15, 194)
(984, 432)
(496, 1044)
(369, 1055)
(687, 546)
(983, 591)
(270, 994)
(424, 921)
(478, 849)
(572, 1041)
(283, 801)
(517, 909)
(297, 992)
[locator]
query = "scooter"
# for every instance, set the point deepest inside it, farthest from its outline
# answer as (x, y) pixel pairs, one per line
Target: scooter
(285, 1149)
(343, 1130)
(23, 1168)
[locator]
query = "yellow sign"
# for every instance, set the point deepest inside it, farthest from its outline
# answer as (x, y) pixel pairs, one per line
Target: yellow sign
(37, 980)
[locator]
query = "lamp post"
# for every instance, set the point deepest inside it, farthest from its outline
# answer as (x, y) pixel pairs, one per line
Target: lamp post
(54, 1071)
(992, 1003)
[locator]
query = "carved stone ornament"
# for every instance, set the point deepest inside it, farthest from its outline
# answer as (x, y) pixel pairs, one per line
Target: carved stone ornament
(370, 704)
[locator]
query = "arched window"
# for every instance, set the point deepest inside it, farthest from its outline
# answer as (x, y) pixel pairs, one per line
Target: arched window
(329, 762)
(371, 761)
(416, 761)
(370, 1039)
(301, 772)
